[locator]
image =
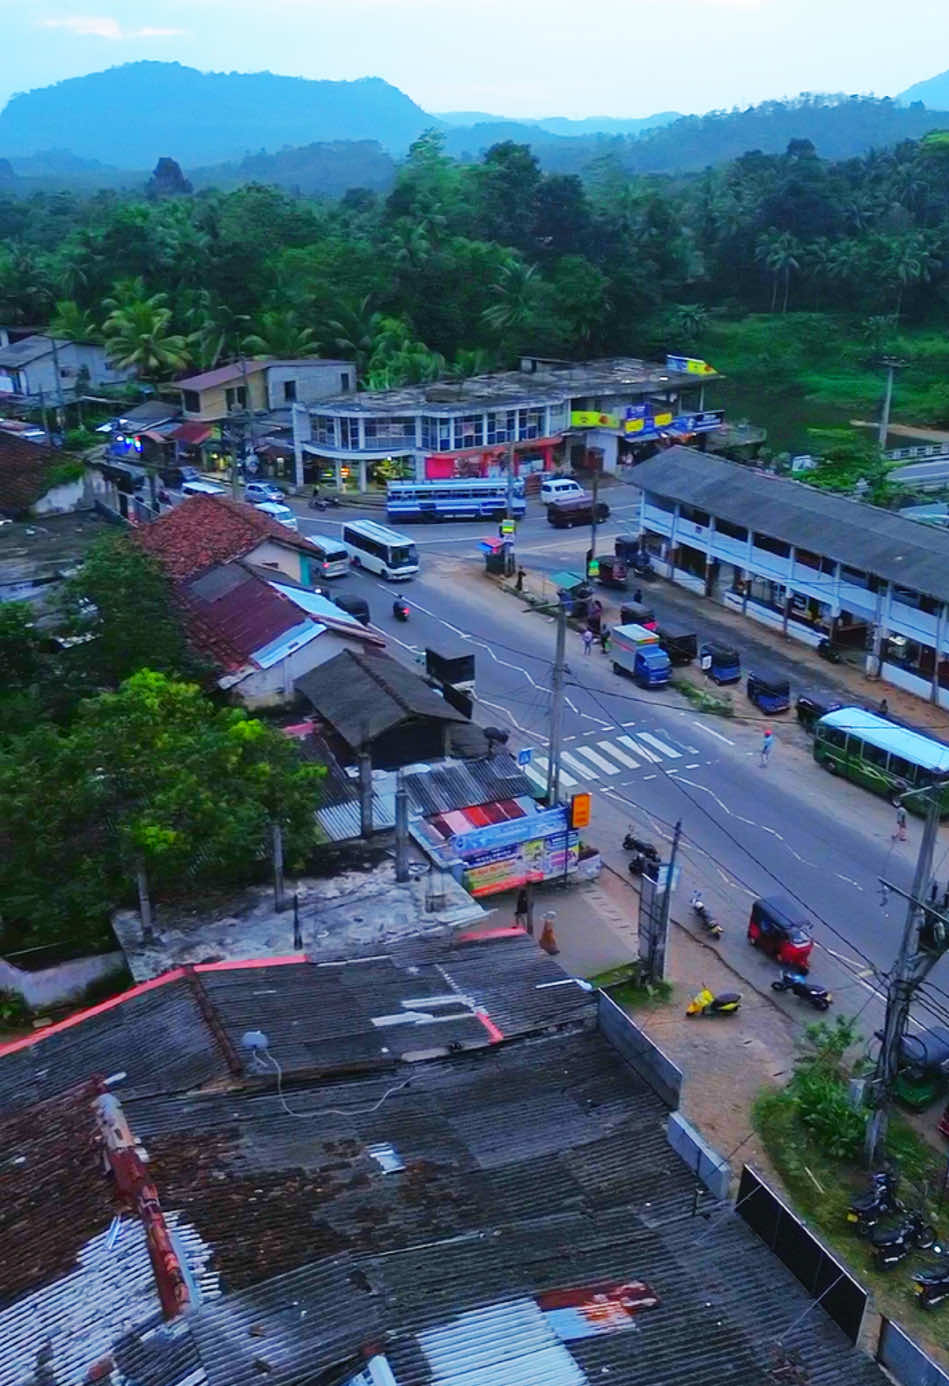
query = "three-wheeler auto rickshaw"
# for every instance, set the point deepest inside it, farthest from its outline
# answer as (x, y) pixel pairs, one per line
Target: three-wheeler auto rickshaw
(781, 929)
(612, 571)
(720, 663)
(769, 694)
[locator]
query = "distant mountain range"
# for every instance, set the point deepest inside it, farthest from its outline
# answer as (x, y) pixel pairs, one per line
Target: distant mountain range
(934, 92)
(321, 138)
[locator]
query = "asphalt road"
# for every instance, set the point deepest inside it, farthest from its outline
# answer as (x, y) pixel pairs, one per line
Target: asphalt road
(651, 760)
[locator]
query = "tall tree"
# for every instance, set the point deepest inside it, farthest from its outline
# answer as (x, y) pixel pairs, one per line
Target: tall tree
(137, 334)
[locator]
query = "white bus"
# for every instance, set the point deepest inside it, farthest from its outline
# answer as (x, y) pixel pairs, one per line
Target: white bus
(380, 550)
(334, 558)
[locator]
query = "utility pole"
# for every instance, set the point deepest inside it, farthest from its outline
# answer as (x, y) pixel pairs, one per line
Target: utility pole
(401, 829)
(556, 707)
(510, 482)
(278, 887)
(659, 932)
(892, 365)
(911, 968)
(593, 519)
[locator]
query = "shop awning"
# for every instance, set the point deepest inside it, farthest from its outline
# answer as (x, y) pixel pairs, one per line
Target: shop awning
(192, 433)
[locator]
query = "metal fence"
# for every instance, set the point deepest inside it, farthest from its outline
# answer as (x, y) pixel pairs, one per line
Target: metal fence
(841, 1297)
(905, 1360)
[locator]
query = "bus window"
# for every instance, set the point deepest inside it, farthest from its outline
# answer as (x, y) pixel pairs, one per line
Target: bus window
(903, 768)
(834, 737)
(873, 755)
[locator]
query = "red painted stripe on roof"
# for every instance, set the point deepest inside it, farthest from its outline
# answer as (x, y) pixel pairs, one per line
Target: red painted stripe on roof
(142, 987)
(500, 931)
(496, 1034)
(237, 964)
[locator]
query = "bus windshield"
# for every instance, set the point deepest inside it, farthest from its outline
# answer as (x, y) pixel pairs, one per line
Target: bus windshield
(403, 557)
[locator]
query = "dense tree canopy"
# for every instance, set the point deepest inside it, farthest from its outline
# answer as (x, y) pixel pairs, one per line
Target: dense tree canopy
(485, 256)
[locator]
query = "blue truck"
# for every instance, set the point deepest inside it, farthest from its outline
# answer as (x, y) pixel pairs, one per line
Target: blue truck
(636, 651)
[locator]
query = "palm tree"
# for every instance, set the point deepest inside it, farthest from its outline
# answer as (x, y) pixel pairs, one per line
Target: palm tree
(75, 323)
(516, 291)
(780, 252)
(281, 334)
(687, 321)
(353, 330)
(912, 263)
(136, 333)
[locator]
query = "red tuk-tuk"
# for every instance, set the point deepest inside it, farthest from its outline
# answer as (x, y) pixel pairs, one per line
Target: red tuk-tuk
(612, 571)
(781, 929)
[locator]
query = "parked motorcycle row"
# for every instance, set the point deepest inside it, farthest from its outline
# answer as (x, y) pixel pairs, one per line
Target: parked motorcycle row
(894, 1231)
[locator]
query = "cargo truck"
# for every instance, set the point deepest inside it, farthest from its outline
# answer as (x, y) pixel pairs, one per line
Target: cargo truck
(636, 651)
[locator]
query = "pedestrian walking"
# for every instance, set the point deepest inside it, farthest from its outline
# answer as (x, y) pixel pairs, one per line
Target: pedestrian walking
(900, 834)
(638, 596)
(605, 638)
(522, 911)
(587, 640)
(884, 708)
(767, 741)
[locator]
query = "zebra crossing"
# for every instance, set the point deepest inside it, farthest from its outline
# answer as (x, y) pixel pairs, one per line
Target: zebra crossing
(603, 758)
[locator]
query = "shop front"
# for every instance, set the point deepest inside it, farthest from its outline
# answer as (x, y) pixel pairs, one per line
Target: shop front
(522, 845)
(530, 457)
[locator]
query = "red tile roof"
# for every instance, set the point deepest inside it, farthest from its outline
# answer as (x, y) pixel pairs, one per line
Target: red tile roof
(25, 472)
(236, 615)
(206, 530)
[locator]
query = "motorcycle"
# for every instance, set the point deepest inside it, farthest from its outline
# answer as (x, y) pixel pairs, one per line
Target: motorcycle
(706, 1002)
(829, 652)
(323, 503)
(707, 920)
(880, 1201)
(819, 997)
(400, 609)
(639, 844)
(894, 1242)
(931, 1285)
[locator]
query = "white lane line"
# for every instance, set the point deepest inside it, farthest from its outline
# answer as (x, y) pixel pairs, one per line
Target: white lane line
(643, 751)
(535, 777)
(619, 755)
(694, 766)
(584, 771)
(542, 765)
(660, 745)
(629, 724)
(496, 707)
(597, 760)
(718, 736)
(650, 777)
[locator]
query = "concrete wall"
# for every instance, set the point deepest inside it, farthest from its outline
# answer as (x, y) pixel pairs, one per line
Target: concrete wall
(638, 1050)
(213, 401)
(282, 558)
(315, 380)
(52, 985)
(270, 687)
(714, 1171)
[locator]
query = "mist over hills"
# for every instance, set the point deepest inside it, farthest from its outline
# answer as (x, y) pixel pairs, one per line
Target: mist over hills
(933, 92)
(320, 137)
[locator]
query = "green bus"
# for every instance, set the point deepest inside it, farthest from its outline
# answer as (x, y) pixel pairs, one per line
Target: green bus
(880, 755)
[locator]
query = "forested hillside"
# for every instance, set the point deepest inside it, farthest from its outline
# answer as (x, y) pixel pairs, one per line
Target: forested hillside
(461, 265)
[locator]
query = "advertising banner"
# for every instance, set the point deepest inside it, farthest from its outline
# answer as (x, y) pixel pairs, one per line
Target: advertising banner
(505, 868)
(688, 365)
(511, 831)
(703, 422)
(589, 418)
(643, 420)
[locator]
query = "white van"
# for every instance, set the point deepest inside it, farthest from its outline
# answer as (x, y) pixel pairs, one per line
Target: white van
(559, 488)
(203, 488)
(282, 513)
(334, 557)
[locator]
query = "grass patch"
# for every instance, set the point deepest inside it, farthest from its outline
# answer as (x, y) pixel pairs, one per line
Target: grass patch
(719, 703)
(814, 1138)
(625, 986)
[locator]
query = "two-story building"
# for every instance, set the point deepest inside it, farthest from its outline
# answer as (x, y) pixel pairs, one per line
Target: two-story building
(260, 385)
(807, 563)
(54, 370)
(545, 414)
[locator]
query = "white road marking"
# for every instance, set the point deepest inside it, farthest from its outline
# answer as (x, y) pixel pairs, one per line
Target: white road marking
(496, 707)
(535, 777)
(694, 766)
(718, 736)
(619, 755)
(643, 751)
(659, 744)
(597, 760)
(543, 765)
(584, 771)
(629, 724)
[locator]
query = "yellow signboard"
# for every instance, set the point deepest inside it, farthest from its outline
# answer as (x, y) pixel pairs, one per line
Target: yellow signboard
(648, 424)
(688, 365)
(589, 418)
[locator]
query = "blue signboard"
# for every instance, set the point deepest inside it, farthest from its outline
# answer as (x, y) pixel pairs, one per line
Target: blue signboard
(532, 825)
(524, 757)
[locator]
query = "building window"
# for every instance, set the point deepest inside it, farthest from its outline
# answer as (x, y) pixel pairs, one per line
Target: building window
(324, 430)
(692, 516)
(236, 397)
(559, 416)
(289, 391)
(775, 546)
(501, 426)
(344, 380)
(436, 433)
(469, 431)
(530, 423)
(731, 531)
(192, 401)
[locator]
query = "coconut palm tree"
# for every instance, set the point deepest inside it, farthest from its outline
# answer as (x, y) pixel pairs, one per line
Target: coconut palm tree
(912, 263)
(136, 332)
(75, 323)
(515, 291)
(280, 333)
(353, 331)
(780, 253)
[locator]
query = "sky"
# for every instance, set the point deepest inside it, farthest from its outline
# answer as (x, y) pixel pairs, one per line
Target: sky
(508, 57)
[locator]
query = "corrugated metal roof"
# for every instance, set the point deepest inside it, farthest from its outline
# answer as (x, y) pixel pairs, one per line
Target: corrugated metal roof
(343, 823)
(442, 788)
(862, 536)
(363, 695)
(507, 1344)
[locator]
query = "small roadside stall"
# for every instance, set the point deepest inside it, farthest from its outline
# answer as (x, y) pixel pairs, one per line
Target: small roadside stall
(489, 857)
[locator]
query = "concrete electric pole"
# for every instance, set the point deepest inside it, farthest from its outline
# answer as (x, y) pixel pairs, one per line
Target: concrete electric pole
(892, 366)
(556, 707)
(913, 964)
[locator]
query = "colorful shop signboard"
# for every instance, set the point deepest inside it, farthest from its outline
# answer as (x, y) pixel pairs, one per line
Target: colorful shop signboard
(536, 847)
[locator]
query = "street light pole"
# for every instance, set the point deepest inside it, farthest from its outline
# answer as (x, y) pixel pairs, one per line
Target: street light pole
(556, 707)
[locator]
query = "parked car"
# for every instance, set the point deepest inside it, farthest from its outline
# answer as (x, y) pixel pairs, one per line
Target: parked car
(258, 492)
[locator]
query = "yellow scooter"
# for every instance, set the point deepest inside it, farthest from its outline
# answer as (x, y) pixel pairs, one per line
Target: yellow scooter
(706, 1002)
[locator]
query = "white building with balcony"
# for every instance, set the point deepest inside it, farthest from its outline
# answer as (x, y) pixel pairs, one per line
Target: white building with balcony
(807, 563)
